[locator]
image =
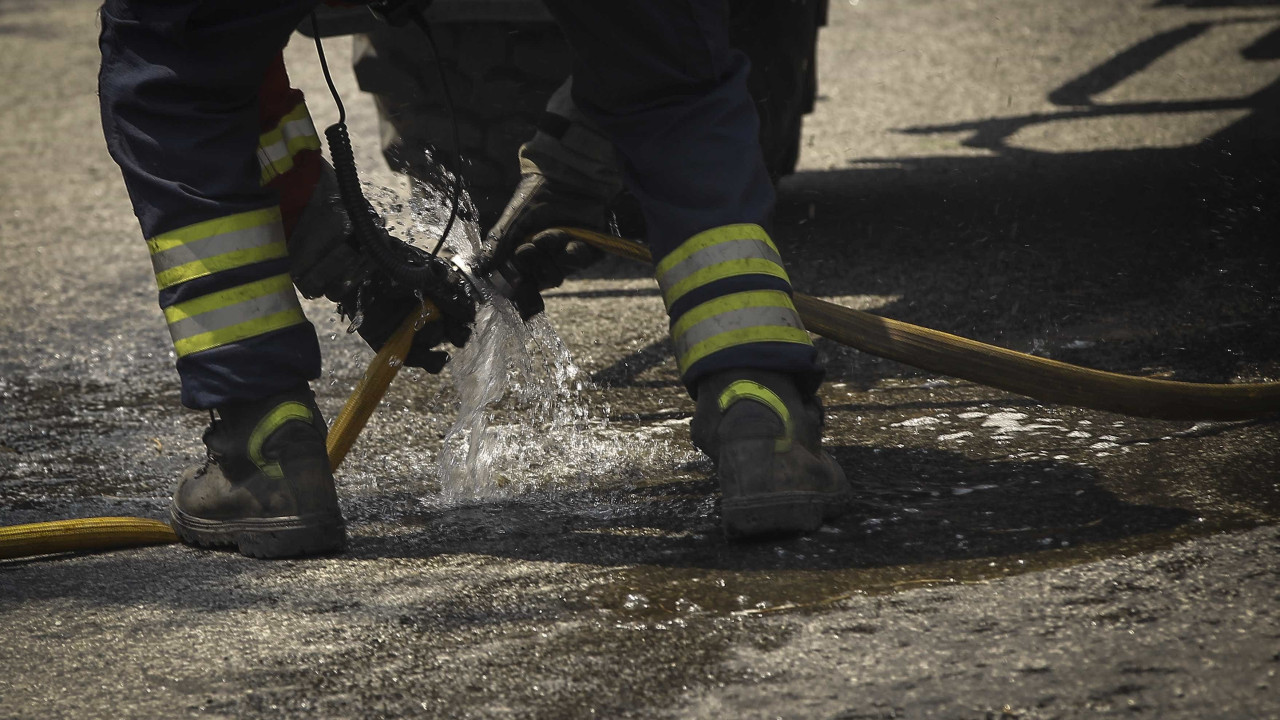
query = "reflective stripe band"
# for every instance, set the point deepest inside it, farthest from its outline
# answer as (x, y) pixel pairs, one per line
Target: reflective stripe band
(218, 263)
(714, 236)
(277, 148)
(720, 271)
(233, 314)
(279, 415)
(236, 313)
(284, 150)
(209, 228)
(716, 254)
(232, 297)
(226, 336)
(206, 249)
(272, 169)
(736, 301)
(742, 336)
(296, 123)
(676, 281)
(214, 245)
(751, 390)
(693, 344)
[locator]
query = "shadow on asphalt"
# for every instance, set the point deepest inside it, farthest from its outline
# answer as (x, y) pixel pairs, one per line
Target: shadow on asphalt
(912, 507)
(1163, 261)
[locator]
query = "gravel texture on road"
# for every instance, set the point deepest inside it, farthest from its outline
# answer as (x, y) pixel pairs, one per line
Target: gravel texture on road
(1093, 182)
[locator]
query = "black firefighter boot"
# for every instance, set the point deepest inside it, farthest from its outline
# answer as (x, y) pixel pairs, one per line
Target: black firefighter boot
(766, 442)
(266, 487)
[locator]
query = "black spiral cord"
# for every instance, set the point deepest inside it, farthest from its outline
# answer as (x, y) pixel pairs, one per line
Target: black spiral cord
(399, 266)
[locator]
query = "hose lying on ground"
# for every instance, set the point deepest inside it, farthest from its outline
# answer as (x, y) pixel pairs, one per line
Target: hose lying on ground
(100, 533)
(1046, 380)
(112, 533)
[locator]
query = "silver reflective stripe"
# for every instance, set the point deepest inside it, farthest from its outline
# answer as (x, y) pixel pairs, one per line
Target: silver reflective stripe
(279, 150)
(236, 314)
(751, 317)
(268, 156)
(716, 255)
(215, 245)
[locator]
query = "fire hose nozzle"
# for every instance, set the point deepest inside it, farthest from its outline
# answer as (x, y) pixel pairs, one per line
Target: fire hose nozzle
(511, 284)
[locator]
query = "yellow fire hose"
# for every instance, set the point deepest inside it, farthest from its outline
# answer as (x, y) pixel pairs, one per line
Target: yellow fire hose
(83, 534)
(1046, 380)
(1040, 378)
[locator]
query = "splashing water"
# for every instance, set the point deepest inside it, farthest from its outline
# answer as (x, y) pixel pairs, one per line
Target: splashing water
(521, 419)
(523, 422)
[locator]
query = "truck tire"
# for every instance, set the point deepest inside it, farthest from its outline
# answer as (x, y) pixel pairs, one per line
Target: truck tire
(501, 73)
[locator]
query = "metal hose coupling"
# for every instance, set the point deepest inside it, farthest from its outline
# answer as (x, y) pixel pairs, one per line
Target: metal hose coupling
(513, 285)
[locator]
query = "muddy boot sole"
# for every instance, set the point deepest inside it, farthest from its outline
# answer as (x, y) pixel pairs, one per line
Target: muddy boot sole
(277, 537)
(780, 513)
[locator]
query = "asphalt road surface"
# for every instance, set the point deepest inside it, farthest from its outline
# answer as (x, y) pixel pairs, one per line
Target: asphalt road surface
(1090, 181)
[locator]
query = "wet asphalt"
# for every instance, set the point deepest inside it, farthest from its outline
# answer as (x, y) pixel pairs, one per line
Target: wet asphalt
(1092, 182)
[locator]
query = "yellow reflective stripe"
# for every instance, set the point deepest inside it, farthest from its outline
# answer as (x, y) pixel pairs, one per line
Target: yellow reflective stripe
(279, 415)
(273, 136)
(715, 255)
(231, 307)
(224, 336)
(277, 148)
(303, 142)
(209, 228)
(218, 263)
(751, 390)
(282, 152)
(775, 317)
(719, 271)
(714, 236)
(729, 303)
(231, 315)
(224, 298)
(255, 237)
(742, 336)
(274, 168)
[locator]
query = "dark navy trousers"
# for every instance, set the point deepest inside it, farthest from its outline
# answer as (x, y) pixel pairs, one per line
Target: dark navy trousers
(181, 90)
(662, 82)
(184, 90)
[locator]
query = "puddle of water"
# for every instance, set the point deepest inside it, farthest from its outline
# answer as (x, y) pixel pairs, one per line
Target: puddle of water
(654, 592)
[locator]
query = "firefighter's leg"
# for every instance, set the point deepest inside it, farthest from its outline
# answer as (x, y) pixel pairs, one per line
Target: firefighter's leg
(180, 89)
(659, 78)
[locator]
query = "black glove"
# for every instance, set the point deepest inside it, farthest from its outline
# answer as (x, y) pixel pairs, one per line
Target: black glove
(325, 259)
(541, 258)
(381, 304)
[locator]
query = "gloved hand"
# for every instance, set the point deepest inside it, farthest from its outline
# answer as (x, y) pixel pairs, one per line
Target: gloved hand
(569, 176)
(380, 304)
(325, 259)
(541, 257)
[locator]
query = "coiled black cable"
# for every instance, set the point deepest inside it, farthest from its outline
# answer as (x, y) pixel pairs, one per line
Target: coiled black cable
(371, 236)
